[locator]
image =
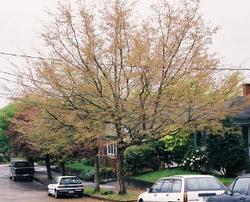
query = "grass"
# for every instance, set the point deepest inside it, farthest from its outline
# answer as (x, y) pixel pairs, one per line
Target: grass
(155, 175)
(79, 166)
(110, 195)
(226, 180)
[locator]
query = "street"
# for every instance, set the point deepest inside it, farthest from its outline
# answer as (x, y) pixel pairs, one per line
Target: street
(27, 191)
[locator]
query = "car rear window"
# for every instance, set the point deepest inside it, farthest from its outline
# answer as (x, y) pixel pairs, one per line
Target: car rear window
(203, 184)
(70, 181)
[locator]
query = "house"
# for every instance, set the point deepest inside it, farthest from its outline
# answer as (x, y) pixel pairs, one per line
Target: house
(108, 153)
(243, 118)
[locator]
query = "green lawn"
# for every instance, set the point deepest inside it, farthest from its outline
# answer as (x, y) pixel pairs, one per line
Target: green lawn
(79, 166)
(132, 195)
(155, 175)
(226, 180)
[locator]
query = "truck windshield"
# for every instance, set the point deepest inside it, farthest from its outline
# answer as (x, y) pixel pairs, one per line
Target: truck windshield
(22, 164)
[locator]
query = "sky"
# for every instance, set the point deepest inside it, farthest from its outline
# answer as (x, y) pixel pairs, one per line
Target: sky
(21, 22)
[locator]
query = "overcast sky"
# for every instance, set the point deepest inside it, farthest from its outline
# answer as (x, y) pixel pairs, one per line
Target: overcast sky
(20, 23)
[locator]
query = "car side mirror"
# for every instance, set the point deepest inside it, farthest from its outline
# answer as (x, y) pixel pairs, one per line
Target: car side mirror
(148, 190)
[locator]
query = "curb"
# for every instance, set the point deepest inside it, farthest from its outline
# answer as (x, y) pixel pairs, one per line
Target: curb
(105, 199)
(40, 182)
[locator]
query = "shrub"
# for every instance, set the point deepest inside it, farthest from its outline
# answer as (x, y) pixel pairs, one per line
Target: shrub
(106, 175)
(226, 151)
(137, 158)
(176, 146)
(196, 159)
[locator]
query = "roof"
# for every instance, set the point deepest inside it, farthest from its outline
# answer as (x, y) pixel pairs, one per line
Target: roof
(244, 175)
(243, 116)
(67, 177)
(187, 176)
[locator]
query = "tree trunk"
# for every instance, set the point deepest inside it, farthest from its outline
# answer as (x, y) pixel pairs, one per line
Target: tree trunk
(62, 165)
(47, 164)
(31, 160)
(97, 174)
(120, 173)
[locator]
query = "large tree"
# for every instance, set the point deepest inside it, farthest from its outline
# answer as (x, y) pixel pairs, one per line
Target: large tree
(136, 79)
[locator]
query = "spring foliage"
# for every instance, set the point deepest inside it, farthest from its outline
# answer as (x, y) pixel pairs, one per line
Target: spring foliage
(111, 74)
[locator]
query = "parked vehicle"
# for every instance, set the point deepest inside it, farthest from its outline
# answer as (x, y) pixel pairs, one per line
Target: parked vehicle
(65, 185)
(240, 191)
(183, 188)
(21, 169)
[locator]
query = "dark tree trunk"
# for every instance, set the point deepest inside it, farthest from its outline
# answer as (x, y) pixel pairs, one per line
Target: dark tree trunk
(120, 173)
(31, 160)
(47, 164)
(62, 165)
(97, 173)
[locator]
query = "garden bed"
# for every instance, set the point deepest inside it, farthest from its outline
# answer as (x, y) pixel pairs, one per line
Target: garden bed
(109, 195)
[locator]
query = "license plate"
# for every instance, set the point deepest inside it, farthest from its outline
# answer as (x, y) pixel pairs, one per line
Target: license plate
(78, 190)
(71, 192)
(25, 175)
(204, 199)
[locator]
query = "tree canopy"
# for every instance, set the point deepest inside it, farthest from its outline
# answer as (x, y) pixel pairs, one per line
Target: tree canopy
(112, 75)
(6, 114)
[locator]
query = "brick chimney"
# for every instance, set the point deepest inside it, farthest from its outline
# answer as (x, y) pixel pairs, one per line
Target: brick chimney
(246, 89)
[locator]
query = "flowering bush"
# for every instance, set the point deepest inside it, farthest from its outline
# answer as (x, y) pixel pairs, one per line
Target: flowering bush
(195, 159)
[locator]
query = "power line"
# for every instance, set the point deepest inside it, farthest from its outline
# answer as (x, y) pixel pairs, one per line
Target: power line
(28, 56)
(58, 60)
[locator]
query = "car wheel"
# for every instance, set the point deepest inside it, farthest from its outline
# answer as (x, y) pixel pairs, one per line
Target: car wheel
(49, 194)
(56, 194)
(141, 200)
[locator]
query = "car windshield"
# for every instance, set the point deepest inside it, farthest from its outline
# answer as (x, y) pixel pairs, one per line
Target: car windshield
(241, 186)
(22, 164)
(203, 184)
(70, 181)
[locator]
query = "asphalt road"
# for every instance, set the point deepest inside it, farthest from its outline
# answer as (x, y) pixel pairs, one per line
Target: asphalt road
(27, 191)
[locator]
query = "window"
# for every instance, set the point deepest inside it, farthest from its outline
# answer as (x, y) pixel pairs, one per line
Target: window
(66, 181)
(21, 164)
(166, 186)
(203, 184)
(157, 186)
(111, 148)
(241, 186)
(176, 187)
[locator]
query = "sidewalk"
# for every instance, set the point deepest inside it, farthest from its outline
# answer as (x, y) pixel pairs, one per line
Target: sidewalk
(41, 176)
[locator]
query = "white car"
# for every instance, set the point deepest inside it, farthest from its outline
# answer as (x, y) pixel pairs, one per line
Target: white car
(65, 185)
(183, 188)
